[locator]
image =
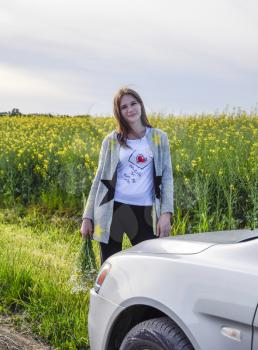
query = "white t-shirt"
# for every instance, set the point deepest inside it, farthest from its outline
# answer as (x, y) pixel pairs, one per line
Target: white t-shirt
(134, 183)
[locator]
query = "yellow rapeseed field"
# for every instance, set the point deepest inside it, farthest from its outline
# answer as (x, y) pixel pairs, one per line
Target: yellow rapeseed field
(51, 161)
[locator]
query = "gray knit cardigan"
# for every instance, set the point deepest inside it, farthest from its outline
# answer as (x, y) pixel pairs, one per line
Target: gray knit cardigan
(99, 206)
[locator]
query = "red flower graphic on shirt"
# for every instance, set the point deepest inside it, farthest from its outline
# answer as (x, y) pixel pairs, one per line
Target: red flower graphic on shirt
(140, 158)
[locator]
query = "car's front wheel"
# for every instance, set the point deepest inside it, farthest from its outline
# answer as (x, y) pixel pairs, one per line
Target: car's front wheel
(156, 334)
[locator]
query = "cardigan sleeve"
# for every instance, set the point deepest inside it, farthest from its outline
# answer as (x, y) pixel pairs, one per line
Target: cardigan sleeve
(167, 186)
(89, 207)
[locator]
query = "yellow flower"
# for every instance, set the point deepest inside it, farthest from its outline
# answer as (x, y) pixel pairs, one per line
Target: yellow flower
(98, 230)
(37, 169)
(156, 139)
(187, 181)
(112, 144)
(45, 163)
(194, 163)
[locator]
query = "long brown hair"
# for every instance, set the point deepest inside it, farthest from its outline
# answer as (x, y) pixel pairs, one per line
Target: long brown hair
(123, 126)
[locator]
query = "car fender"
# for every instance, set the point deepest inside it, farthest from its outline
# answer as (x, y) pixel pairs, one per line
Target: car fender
(164, 309)
(178, 284)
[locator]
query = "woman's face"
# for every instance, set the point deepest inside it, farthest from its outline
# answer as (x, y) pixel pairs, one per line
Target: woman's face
(130, 109)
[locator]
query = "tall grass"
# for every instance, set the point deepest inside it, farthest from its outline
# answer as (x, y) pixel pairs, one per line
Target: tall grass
(51, 161)
(35, 271)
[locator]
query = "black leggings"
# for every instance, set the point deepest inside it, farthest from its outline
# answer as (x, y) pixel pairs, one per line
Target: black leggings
(135, 220)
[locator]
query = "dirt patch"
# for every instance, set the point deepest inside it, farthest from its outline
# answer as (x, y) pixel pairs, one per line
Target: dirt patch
(10, 339)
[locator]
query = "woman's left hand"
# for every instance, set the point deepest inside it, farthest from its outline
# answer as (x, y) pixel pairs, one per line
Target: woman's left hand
(164, 225)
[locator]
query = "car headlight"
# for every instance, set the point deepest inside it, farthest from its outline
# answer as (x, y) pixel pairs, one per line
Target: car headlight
(104, 271)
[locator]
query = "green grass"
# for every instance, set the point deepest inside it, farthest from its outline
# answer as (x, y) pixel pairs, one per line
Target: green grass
(35, 271)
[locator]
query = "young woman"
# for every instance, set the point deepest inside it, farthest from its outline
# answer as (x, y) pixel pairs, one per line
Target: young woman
(132, 191)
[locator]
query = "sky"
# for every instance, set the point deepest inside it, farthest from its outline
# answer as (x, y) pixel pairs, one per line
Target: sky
(181, 56)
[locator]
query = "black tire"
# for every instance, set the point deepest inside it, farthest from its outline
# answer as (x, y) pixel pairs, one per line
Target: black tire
(156, 334)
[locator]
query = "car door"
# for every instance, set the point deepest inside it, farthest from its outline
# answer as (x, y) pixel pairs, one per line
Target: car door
(255, 331)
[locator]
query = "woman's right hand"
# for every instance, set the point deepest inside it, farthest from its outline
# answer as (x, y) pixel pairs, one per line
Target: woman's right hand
(87, 228)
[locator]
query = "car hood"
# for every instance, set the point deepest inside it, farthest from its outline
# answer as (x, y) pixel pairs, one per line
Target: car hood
(192, 243)
(169, 246)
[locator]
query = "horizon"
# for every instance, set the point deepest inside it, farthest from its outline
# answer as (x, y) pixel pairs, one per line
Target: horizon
(234, 111)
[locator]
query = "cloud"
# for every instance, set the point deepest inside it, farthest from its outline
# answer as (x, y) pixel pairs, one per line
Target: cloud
(81, 50)
(22, 87)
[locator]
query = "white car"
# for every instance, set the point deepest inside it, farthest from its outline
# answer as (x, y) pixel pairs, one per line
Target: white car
(197, 291)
